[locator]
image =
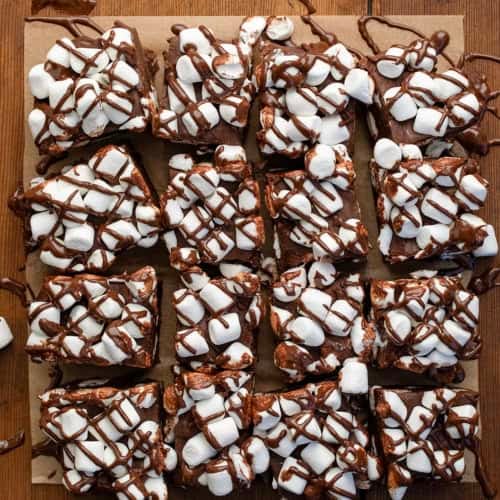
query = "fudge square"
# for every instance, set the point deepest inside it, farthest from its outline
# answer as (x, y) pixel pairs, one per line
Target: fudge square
(315, 212)
(208, 85)
(303, 99)
(96, 320)
(317, 317)
(422, 434)
(86, 215)
(211, 210)
(410, 101)
(425, 325)
(218, 319)
(426, 207)
(89, 88)
(318, 437)
(208, 419)
(109, 440)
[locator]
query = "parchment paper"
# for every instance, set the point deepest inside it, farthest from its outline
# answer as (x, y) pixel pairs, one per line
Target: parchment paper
(154, 31)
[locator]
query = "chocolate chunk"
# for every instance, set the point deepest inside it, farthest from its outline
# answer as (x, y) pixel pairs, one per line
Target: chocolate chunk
(211, 210)
(96, 320)
(426, 206)
(89, 88)
(83, 217)
(217, 321)
(109, 439)
(319, 441)
(426, 325)
(208, 419)
(317, 317)
(315, 211)
(422, 434)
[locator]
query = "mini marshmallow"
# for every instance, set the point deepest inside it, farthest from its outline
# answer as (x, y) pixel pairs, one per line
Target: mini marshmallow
(289, 480)
(392, 66)
(387, 153)
(194, 38)
(279, 28)
(454, 83)
(6, 336)
(402, 106)
(353, 377)
(359, 84)
(430, 121)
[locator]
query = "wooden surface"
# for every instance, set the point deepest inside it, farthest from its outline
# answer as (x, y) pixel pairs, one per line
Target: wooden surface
(482, 34)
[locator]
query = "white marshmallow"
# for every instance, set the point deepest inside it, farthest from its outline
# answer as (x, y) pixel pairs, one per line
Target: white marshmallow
(39, 81)
(6, 336)
(80, 237)
(224, 432)
(430, 121)
(386, 153)
(439, 206)
(404, 107)
(393, 66)
(279, 28)
(197, 450)
(194, 37)
(359, 84)
(333, 131)
(353, 377)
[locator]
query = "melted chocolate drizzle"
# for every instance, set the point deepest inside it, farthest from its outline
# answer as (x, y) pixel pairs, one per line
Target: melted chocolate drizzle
(72, 6)
(17, 288)
(486, 281)
(71, 24)
(12, 442)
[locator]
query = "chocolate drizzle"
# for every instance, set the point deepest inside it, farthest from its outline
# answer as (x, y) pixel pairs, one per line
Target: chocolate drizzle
(71, 24)
(486, 281)
(11, 443)
(17, 288)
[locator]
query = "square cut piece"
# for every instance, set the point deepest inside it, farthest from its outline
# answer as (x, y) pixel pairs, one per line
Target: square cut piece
(317, 317)
(426, 207)
(88, 319)
(211, 210)
(208, 420)
(108, 439)
(86, 215)
(315, 211)
(217, 321)
(90, 88)
(425, 325)
(318, 439)
(422, 434)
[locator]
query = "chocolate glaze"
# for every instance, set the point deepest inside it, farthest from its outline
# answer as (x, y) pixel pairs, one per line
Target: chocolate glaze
(12, 442)
(73, 6)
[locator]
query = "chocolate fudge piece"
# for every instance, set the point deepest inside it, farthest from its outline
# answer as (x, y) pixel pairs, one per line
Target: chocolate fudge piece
(90, 212)
(425, 325)
(208, 419)
(211, 210)
(217, 320)
(410, 101)
(426, 206)
(303, 99)
(108, 439)
(315, 210)
(96, 320)
(318, 438)
(317, 317)
(208, 85)
(422, 434)
(89, 88)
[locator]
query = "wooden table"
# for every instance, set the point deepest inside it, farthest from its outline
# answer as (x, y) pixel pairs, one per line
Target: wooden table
(482, 34)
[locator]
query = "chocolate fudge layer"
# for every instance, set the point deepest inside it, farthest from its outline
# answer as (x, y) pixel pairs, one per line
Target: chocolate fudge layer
(208, 85)
(409, 100)
(426, 207)
(82, 218)
(217, 320)
(425, 325)
(96, 320)
(211, 210)
(90, 87)
(318, 437)
(315, 211)
(423, 434)
(303, 99)
(208, 419)
(317, 317)
(109, 440)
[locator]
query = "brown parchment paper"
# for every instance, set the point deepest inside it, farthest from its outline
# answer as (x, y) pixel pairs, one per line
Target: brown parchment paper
(154, 31)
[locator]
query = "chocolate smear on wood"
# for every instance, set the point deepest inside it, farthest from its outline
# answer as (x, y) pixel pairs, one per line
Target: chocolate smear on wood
(70, 6)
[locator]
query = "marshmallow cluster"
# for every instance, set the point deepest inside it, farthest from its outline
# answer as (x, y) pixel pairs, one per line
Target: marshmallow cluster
(96, 320)
(211, 210)
(317, 316)
(89, 87)
(319, 441)
(315, 211)
(208, 417)
(217, 320)
(423, 433)
(208, 86)
(303, 95)
(90, 212)
(407, 92)
(426, 206)
(425, 324)
(109, 438)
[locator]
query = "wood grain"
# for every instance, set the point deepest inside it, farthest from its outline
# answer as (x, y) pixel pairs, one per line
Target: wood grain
(482, 34)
